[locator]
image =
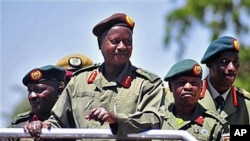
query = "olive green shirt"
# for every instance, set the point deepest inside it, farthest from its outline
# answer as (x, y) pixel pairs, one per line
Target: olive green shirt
(235, 114)
(138, 102)
(204, 125)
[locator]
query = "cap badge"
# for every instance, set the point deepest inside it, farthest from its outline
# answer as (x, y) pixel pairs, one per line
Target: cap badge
(197, 69)
(236, 44)
(36, 75)
(129, 21)
(127, 81)
(75, 61)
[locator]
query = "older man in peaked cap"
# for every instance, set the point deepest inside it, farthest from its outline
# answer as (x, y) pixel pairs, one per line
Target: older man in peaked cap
(219, 93)
(185, 113)
(98, 92)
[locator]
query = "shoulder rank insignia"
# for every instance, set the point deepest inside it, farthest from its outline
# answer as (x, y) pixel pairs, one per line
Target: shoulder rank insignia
(149, 75)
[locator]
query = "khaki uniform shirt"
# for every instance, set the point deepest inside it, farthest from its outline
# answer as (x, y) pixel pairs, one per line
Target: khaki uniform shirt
(238, 113)
(136, 96)
(204, 125)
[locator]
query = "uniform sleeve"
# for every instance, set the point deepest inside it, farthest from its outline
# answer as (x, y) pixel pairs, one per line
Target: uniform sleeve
(149, 111)
(61, 113)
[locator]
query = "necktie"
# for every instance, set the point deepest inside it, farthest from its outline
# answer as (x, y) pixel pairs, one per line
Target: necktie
(220, 103)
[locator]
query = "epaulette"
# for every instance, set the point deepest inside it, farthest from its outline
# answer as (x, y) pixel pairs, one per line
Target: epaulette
(88, 68)
(242, 92)
(216, 116)
(22, 117)
(149, 75)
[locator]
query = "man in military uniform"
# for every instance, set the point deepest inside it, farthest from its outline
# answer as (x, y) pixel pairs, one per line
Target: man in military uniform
(113, 95)
(219, 94)
(44, 86)
(185, 113)
(73, 62)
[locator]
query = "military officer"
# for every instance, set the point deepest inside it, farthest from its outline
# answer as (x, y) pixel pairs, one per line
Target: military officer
(219, 94)
(44, 85)
(74, 62)
(115, 94)
(185, 113)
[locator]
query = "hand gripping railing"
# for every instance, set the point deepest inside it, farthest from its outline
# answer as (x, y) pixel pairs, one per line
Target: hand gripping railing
(77, 133)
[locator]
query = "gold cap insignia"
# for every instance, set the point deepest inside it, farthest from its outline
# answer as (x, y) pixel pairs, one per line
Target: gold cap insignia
(236, 44)
(36, 75)
(129, 21)
(197, 69)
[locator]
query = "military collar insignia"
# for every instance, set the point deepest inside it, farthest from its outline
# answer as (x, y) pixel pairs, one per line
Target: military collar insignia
(199, 120)
(126, 82)
(92, 77)
(36, 75)
(234, 93)
(35, 117)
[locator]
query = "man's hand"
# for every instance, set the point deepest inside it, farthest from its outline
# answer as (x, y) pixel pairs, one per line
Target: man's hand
(34, 128)
(102, 115)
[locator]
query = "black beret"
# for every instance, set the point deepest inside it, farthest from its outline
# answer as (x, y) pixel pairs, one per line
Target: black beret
(48, 72)
(115, 19)
(225, 43)
(186, 67)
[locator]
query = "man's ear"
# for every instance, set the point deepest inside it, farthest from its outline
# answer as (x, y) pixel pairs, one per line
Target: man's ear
(60, 90)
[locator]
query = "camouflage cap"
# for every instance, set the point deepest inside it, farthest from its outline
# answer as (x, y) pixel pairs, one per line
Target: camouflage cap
(48, 72)
(225, 43)
(186, 67)
(120, 19)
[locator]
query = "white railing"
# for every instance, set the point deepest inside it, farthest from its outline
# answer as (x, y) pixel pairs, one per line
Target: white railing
(97, 134)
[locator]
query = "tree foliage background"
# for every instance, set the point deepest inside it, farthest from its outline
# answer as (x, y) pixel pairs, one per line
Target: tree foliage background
(218, 16)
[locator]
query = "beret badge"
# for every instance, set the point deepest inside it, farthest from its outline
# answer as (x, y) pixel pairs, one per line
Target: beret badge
(197, 69)
(129, 21)
(36, 75)
(236, 44)
(75, 62)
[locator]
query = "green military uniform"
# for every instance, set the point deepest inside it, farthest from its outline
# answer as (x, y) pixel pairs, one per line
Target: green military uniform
(20, 120)
(135, 96)
(204, 125)
(236, 109)
(234, 114)
(36, 75)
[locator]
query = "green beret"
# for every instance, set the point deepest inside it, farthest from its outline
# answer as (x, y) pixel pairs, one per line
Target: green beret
(225, 43)
(186, 67)
(116, 19)
(48, 72)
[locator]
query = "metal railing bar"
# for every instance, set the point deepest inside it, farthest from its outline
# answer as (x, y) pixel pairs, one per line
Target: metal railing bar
(97, 134)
